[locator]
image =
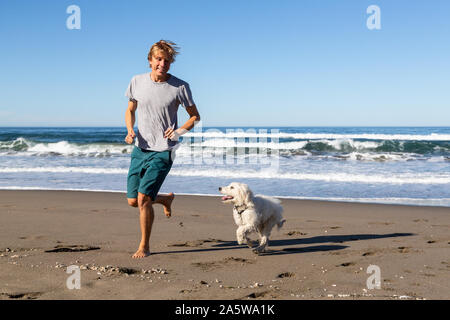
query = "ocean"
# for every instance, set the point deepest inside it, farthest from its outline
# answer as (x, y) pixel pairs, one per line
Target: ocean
(400, 165)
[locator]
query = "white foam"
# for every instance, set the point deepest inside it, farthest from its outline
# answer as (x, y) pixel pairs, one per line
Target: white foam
(65, 148)
(240, 143)
(88, 170)
(383, 156)
(328, 177)
(339, 144)
(267, 173)
(445, 202)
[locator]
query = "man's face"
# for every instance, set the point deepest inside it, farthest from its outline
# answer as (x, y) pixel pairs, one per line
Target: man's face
(160, 63)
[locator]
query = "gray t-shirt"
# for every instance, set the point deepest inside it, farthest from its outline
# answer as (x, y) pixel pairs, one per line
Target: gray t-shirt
(157, 106)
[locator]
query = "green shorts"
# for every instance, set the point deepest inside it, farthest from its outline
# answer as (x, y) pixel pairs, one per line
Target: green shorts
(147, 172)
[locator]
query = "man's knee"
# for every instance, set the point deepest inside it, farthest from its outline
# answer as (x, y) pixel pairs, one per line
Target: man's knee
(144, 200)
(132, 202)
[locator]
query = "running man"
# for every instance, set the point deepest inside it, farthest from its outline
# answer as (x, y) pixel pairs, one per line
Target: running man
(156, 97)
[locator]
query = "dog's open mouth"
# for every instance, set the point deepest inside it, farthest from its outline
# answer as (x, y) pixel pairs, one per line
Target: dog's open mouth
(225, 198)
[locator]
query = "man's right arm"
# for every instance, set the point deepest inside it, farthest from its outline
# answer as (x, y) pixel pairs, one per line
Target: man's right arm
(130, 118)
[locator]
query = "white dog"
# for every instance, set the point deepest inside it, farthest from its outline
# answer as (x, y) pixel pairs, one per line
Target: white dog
(253, 213)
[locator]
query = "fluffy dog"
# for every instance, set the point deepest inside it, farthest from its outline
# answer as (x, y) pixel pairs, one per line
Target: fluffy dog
(253, 213)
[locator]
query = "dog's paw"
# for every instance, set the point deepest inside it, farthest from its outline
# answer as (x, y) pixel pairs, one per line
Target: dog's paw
(259, 249)
(250, 243)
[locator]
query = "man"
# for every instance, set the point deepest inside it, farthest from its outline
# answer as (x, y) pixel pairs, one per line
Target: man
(156, 97)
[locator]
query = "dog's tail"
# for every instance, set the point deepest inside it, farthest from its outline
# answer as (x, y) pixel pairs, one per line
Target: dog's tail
(280, 224)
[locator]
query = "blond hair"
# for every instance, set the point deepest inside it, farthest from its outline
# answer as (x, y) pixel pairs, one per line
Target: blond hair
(166, 46)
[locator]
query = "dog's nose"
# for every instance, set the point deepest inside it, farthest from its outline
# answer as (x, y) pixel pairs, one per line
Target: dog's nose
(220, 188)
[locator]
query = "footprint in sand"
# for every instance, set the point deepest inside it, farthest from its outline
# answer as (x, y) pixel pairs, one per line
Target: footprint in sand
(286, 275)
(183, 244)
(295, 232)
(194, 243)
(22, 295)
(32, 237)
(216, 264)
(126, 270)
(346, 264)
(72, 248)
(383, 223)
(403, 249)
(255, 295)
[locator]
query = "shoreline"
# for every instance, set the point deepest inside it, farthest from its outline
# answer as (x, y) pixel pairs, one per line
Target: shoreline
(383, 201)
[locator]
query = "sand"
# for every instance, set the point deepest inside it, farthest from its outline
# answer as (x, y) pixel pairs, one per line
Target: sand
(322, 252)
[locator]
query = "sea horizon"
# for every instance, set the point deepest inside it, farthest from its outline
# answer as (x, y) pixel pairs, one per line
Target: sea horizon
(238, 126)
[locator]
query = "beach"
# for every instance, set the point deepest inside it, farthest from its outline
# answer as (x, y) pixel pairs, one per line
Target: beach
(323, 251)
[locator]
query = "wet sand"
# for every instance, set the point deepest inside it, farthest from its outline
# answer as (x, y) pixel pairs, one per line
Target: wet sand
(322, 252)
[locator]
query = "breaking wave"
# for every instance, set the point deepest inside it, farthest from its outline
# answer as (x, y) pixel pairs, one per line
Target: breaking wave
(337, 146)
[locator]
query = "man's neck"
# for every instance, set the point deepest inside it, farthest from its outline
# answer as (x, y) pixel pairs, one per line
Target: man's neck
(157, 78)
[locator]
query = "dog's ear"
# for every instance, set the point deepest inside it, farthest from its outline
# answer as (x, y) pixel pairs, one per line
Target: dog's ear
(245, 194)
(249, 198)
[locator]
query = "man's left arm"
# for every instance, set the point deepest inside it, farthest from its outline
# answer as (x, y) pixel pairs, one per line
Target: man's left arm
(194, 117)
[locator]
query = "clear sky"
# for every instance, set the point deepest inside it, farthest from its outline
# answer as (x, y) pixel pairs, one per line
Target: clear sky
(249, 62)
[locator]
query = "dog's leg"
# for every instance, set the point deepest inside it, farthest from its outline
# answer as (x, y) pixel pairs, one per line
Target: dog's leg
(280, 224)
(264, 233)
(241, 235)
(262, 245)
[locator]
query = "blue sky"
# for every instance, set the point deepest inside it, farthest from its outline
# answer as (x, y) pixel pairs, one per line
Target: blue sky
(249, 63)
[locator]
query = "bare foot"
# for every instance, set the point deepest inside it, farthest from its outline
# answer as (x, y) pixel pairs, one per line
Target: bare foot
(141, 253)
(167, 205)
